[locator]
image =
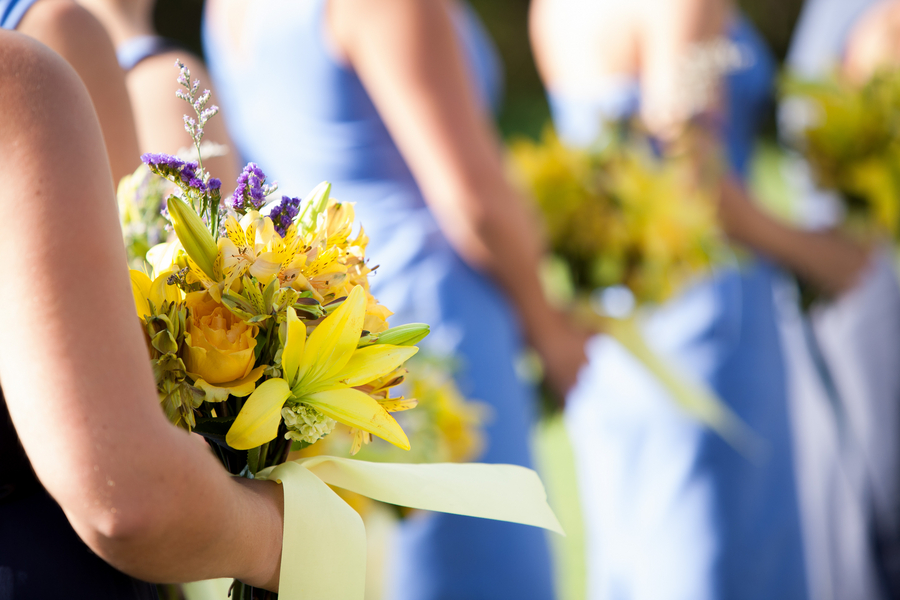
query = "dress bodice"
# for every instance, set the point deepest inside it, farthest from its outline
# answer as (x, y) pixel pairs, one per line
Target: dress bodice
(293, 108)
(579, 118)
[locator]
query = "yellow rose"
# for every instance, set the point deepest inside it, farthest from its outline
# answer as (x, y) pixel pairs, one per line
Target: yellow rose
(219, 347)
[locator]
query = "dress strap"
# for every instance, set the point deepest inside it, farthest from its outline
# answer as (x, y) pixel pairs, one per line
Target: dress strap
(12, 11)
(133, 51)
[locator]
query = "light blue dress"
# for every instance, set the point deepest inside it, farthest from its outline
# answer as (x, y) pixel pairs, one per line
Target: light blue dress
(305, 117)
(672, 512)
(845, 352)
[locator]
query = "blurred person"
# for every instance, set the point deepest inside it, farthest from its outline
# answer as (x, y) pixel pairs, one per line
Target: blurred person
(390, 101)
(671, 509)
(148, 60)
(98, 491)
(75, 35)
(845, 351)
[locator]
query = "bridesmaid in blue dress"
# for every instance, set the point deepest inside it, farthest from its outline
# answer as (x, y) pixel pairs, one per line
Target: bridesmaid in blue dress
(671, 510)
(389, 101)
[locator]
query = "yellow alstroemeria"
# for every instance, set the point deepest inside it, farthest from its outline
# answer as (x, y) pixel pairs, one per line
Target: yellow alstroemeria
(321, 372)
(156, 291)
(253, 245)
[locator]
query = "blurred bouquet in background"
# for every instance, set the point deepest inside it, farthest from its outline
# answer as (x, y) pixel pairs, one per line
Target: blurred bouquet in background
(630, 228)
(850, 134)
(142, 202)
(620, 216)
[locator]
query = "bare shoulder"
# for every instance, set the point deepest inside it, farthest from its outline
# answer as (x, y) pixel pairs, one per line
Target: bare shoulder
(697, 19)
(872, 42)
(349, 19)
(66, 27)
(32, 79)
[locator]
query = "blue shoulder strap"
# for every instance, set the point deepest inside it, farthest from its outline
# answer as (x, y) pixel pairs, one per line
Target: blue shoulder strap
(133, 51)
(12, 11)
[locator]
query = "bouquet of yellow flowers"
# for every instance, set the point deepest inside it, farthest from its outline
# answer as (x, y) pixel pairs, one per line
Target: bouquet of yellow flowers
(851, 138)
(263, 336)
(620, 216)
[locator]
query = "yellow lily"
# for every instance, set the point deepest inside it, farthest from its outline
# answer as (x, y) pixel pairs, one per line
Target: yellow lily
(321, 372)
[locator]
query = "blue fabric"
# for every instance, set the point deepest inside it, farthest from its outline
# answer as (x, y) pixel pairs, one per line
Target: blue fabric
(12, 11)
(304, 117)
(672, 512)
(133, 51)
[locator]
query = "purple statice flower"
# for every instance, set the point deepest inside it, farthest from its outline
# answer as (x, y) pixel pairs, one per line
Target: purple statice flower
(251, 189)
(283, 215)
(162, 162)
(214, 183)
(176, 170)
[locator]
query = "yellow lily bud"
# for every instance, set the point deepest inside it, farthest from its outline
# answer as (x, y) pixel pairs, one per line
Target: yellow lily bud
(198, 242)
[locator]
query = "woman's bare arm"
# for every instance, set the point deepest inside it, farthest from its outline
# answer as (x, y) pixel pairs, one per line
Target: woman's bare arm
(151, 88)
(79, 38)
(141, 493)
(407, 55)
(158, 113)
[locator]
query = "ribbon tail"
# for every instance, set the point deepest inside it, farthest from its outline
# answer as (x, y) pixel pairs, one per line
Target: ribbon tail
(324, 547)
(691, 396)
(211, 589)
(499, 492)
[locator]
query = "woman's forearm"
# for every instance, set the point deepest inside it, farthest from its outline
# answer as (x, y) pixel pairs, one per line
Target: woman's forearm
(827, 259)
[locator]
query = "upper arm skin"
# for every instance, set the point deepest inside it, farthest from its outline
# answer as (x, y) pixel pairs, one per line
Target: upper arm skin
(671, 29)
(73, 359)
(158, 112)
(73, 33)
(408, 57)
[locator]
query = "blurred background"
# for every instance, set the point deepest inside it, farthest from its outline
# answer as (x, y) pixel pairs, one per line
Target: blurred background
(525, 108)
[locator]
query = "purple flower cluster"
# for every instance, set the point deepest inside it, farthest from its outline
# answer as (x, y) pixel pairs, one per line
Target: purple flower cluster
(175, 169)
(251, 189)
(283, 214)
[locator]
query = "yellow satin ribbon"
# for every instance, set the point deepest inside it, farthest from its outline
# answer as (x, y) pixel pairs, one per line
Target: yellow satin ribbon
(324, 547)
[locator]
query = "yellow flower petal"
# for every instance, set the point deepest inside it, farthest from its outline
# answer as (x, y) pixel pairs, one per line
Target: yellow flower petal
(356, 409)
(332, 343)
(140, 289)
(235, 232)
(373, 362)
(160, 291)
(240, 388)
(258, 421)
(162, 256)
(266, 267)
(293, 346)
